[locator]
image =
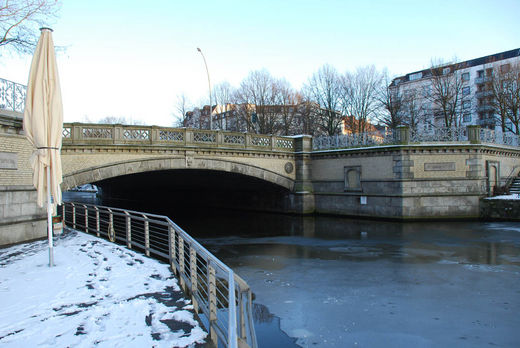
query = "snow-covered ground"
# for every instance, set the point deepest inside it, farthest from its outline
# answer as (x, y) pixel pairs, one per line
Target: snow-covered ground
(98, 294)
(514, 196)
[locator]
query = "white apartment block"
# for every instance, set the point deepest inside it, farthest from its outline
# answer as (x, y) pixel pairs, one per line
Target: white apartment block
(474, 101)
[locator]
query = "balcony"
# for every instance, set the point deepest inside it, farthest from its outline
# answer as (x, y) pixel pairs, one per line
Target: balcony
(484, 108)
(486, 122)
(480, 94)
(480, 80)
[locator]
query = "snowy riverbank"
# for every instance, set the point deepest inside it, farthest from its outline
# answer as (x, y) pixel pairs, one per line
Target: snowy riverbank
(98, 294)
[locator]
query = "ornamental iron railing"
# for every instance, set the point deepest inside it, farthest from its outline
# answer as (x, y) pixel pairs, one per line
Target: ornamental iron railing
(405, 136)
(12, 96)
(355, 140)
(439, 134)
(221, 298)
(491, 136)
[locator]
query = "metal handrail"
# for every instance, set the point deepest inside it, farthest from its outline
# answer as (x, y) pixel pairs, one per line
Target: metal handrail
(224, 299)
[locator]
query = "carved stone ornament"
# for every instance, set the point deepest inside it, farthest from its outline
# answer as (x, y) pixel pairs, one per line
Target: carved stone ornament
(289, 167)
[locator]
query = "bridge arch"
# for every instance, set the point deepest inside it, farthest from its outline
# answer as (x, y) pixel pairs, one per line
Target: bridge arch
(112, 170)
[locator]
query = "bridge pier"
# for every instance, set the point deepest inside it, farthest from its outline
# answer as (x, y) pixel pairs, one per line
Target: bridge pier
(302, 199)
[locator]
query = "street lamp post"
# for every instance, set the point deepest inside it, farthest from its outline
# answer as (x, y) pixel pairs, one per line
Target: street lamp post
(209, 88)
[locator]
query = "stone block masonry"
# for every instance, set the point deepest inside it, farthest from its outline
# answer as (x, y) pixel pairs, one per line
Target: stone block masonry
(20, 217)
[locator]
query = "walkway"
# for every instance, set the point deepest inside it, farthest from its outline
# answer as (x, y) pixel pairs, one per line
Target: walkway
(99, 294)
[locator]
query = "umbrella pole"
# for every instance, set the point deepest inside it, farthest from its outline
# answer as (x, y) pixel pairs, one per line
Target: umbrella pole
(49, 217)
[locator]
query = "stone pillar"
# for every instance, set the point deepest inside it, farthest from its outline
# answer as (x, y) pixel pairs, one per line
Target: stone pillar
(474, 134)
(303, 190)
(404, 135)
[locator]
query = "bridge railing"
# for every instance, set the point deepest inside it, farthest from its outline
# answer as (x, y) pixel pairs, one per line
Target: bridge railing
(12, 95)
(98, 134)
(222, 299)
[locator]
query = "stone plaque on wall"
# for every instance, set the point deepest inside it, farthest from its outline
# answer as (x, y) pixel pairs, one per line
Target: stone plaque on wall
(442, 166)
(8, 160)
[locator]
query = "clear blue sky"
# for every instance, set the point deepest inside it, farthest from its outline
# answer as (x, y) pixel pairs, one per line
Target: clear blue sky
(132, 58)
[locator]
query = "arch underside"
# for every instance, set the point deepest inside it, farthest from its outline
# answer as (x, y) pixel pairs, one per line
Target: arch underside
(95, 174)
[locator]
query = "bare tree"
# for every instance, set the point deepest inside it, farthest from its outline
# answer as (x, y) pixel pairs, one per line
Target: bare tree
(119, 120)
(181, 109)
(20, 21)
(505, 89)
(413, 110)
(324, 89)
(307, 115)
(360, 96)
(287, 100)
(392, 103)
(223, 93)
(446, 94)
(258, 90)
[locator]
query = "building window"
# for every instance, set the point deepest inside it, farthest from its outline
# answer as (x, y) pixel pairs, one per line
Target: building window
(353, 178)
(427, 90)
(504, 68)
(465, 90)
(415, 76)
(466, 104)
(480, 73)
(445, 71)
(466, 117)
(465, 76)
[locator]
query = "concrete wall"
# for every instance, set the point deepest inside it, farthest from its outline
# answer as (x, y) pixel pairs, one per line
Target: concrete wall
(20, 217)
(500, 209)
(409, 181)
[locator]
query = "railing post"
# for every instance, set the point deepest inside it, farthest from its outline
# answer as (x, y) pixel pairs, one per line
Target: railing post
(181, 263)
(75, 133)
(86, 218)
(474, 134)
(193, 274)
(97, 221)
(404, 134)
(189, 137)
(171, 248)
(241, 317)
(73, 216)
(248, 141)
(212, 294)
(111, 232)
(128, 230)
(172, 252)
(232, 312)
(146, 236)
(63, 212)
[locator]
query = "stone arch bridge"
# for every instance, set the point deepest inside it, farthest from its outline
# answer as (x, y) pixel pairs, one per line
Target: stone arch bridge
(93, 152)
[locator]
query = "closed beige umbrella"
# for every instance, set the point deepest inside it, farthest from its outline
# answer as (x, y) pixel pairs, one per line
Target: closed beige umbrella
(43, 125)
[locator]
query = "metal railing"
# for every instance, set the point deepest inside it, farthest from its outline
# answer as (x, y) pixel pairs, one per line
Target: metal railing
(12, 95)
(491, 136)
(439, 134)
(222, 299)
(405, 136)
(355, 140)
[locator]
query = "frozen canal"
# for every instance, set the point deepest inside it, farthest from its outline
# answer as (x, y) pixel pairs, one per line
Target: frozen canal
(350, 283)
(335, 282)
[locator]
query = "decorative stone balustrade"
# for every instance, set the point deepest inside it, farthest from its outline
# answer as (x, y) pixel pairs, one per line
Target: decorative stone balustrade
(97, 134)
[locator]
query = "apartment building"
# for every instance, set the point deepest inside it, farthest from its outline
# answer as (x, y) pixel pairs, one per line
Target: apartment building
(456, 94)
